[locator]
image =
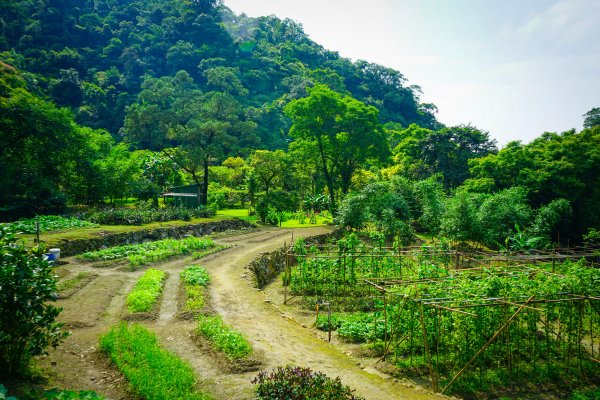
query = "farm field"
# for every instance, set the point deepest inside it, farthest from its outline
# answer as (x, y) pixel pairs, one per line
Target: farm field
(276, 339)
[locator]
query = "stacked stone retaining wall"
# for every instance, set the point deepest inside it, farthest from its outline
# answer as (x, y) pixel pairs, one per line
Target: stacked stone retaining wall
(265, 268)
(78, 246)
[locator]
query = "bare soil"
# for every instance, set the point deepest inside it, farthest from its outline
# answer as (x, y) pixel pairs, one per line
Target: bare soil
(278, 333)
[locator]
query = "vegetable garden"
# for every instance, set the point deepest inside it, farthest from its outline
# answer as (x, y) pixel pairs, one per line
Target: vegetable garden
(468, 322)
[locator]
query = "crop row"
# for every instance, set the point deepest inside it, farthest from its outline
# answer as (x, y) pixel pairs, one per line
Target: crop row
(223, 337)
(47, 223)
(143, 253)
(152, 372)
(195, 279)
(146, 291)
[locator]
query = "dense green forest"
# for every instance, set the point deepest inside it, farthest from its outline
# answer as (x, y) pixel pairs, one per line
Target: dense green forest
(111, 99)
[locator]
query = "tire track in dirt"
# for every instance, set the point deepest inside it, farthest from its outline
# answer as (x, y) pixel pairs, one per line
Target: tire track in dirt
(282, 340)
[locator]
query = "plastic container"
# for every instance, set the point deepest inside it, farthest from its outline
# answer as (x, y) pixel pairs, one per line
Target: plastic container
(56, 253)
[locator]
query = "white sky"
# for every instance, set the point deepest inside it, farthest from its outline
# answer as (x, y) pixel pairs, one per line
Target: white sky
(515, 68)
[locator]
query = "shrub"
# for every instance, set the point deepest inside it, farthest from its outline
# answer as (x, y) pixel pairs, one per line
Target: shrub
(152, 372)
(297, 383)
(27, 320)
(140, 216)
(146, 291)
(224, 338)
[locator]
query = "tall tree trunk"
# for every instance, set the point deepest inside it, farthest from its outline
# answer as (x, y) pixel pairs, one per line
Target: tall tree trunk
(204, 197)
(328, 177)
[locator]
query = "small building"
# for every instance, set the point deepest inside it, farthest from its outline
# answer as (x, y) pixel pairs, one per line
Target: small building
(182, 196)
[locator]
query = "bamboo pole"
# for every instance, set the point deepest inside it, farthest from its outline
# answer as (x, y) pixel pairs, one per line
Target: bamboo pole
(425, 343)
(485, 346)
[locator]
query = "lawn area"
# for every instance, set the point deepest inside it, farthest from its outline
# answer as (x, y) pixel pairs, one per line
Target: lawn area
(241, 213)
(292, 222)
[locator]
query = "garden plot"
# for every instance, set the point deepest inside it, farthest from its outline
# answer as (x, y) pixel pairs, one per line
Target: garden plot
(78, 364)
(471, 324)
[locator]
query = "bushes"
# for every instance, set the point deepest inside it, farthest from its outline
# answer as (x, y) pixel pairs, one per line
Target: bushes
(224, 338)
(146, 291)
(153, 372)
(296, 383)
(140, 216)
(27, 320)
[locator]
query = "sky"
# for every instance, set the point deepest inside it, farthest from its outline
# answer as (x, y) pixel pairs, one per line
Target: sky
(514, 68)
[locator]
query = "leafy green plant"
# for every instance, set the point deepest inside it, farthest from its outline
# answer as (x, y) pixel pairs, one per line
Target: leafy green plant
(27, 319)
(47, 223)
(3, 394)
(358, 327)
(224, 338)
(195, 275)
(146, 291)
(56, 394)
(195, 279)
(140, 254)
(152, 372)
(299, 383)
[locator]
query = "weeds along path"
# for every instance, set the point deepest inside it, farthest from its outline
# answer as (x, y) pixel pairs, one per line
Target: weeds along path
(92, 309)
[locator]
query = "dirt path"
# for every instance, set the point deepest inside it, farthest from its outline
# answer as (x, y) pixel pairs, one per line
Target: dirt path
(277, 339)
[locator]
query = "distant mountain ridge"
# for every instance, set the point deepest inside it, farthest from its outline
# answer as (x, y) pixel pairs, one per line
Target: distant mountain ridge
(92, 56)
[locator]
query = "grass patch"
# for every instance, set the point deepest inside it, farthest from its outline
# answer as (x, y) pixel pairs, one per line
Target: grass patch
(293, 223)
(146, 291)
(195, 279)
(144, 253)
(223, 337)
(241, 213)
(152, 372)
(73, 282)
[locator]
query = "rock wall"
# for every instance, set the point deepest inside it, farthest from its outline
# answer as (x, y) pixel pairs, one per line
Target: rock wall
(265, 268)
(78, 246)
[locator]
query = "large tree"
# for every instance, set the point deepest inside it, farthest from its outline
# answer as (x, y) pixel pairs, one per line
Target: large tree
(172, 115)
(553, 166)
(591, 118)
(345, 131)
(423, 152)
(268, 166)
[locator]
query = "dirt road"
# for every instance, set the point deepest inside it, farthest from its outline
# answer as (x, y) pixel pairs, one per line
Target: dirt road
(278, 340)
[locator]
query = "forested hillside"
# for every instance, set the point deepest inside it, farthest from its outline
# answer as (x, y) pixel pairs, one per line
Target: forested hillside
(113, 99)
(94, 56)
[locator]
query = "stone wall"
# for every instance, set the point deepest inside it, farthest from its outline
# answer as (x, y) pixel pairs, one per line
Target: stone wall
(78, 246)
(265, 268)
